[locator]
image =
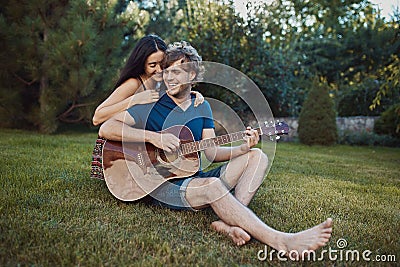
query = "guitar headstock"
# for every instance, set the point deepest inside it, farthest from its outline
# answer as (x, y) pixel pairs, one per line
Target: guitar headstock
(275, 128)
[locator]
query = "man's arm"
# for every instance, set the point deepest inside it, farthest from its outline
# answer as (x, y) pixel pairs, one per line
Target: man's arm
(218, 154)
(120, 127)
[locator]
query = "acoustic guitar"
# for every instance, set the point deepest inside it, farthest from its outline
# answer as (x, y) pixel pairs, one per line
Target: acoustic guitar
(133, 170)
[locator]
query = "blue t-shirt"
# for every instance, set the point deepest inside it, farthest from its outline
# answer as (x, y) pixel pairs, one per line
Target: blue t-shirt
(166, 113)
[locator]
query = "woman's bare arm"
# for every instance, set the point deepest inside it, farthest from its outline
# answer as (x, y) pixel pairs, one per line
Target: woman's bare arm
(122, 98)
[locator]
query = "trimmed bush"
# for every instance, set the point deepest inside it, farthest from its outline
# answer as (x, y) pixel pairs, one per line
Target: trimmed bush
(317, 120)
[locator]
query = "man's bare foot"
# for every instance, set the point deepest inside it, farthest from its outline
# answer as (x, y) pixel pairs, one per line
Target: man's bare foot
(297, 245)
(237, 234)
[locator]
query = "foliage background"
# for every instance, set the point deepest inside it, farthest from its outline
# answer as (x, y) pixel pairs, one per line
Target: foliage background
(60, 59)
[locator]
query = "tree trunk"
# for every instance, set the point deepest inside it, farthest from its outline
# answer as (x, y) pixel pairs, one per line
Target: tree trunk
(47, 119)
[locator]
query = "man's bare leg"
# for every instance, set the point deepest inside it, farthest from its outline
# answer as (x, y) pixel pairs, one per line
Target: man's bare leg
(201, 192)
(246, 174)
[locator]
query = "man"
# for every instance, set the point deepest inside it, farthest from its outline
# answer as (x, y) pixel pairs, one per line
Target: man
(244, 172)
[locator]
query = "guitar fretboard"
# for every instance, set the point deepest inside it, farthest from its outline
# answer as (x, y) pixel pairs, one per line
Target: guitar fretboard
(201, 145)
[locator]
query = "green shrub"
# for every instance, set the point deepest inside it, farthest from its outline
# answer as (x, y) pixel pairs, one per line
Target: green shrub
(354, 100)
(367, 139)
(389, 122)
(317, 120)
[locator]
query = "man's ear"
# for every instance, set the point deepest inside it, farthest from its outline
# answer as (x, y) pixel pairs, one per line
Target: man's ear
(192, 75)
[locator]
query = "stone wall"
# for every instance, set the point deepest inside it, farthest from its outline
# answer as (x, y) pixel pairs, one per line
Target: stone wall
(344, 124)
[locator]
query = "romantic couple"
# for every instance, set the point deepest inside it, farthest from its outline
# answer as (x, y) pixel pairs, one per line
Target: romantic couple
(137, 110)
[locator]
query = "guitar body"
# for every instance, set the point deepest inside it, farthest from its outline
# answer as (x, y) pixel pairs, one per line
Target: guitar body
(134, 170)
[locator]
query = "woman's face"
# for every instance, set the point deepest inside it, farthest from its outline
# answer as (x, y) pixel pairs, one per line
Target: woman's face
(153, 66)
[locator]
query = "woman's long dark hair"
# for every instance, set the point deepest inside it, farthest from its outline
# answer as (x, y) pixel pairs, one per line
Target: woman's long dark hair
(134, 67)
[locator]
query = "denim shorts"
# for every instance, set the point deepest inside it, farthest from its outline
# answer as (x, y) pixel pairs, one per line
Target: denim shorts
(172, 194)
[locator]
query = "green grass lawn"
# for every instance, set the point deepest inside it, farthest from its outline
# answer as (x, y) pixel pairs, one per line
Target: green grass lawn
(53, 214)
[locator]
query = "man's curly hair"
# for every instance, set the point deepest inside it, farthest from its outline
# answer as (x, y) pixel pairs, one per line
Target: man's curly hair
(187, 54)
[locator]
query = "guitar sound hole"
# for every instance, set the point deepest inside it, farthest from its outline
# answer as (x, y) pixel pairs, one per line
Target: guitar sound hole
(166, 157)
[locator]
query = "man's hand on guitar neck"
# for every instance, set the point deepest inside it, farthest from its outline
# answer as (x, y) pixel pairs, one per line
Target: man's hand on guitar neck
(252, 138)
(222, 153)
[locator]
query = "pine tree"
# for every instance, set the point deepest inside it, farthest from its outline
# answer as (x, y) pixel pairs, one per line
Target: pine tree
(61, 57)
(317, 120)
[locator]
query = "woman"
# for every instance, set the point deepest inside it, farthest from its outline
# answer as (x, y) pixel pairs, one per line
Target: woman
(141, 72)
(142, 64)
(143, 67)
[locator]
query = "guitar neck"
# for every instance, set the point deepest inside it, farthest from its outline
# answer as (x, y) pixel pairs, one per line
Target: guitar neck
(201, 145)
